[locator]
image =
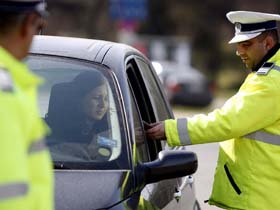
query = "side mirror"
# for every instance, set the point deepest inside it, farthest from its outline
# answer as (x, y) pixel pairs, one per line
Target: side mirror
(170, 164)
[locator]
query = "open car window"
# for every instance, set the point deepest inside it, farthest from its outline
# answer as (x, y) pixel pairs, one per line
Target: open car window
(78, 100)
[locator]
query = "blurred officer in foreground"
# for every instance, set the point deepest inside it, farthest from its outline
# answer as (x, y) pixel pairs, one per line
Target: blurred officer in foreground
(26, 179)
(248, 125)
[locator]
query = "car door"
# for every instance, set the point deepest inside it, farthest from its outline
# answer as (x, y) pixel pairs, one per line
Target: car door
(150, 106)
(182, 187)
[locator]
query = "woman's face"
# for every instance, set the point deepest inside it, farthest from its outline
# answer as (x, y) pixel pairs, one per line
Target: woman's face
(96, 103)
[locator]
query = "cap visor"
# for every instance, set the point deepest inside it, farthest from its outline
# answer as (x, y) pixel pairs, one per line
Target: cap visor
(243, 37)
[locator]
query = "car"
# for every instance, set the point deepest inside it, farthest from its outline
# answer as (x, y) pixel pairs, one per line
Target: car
(122, 169)
(184, 85)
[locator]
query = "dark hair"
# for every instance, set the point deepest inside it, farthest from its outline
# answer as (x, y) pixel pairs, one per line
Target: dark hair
(65, 116)
(9, 21)
(273, 33)
(87, 81)
(81, 86)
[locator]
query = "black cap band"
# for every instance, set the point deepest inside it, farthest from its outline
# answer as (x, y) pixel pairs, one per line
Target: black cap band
(11, 6)
(255, 27)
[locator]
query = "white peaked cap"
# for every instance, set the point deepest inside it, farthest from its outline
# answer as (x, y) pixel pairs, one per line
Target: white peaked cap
(249, 25)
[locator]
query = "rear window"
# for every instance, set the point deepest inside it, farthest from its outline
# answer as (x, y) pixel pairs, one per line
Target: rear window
(79, 102)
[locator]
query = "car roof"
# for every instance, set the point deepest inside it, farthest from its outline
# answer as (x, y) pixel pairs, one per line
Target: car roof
(110, 54)
(80, 48)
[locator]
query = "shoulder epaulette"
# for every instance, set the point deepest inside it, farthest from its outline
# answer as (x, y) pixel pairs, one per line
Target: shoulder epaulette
(265, 68)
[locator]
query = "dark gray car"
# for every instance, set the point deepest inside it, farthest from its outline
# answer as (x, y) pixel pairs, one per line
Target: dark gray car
(108, 163)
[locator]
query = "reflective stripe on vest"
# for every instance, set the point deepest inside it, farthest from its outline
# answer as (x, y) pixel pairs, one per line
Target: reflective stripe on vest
(276, 67)
(267, 67)
(8, 191)
(183, 131)
(37, 146)
(264, 137)
(6, 82)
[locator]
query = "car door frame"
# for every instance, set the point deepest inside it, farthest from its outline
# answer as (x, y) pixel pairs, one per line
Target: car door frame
(154, 147)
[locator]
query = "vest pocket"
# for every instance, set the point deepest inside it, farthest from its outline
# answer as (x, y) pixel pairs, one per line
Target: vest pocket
(231, 180)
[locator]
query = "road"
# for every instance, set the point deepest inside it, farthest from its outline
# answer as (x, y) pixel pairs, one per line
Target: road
(207, 156)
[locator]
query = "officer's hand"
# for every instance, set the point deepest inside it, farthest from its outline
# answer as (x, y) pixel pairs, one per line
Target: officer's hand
(156, 131)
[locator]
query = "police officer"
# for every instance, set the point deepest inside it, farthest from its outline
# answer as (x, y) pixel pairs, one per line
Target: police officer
(26, 180)
(248, 124)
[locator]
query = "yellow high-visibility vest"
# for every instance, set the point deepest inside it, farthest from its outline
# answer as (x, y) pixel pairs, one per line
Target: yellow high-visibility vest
(248, 129)
(26, 177)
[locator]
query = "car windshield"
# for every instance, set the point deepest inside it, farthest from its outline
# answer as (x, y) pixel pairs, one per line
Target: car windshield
(79, 102)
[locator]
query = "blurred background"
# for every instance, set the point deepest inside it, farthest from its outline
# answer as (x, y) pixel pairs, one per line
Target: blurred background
(187, 40)
(192, 32)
